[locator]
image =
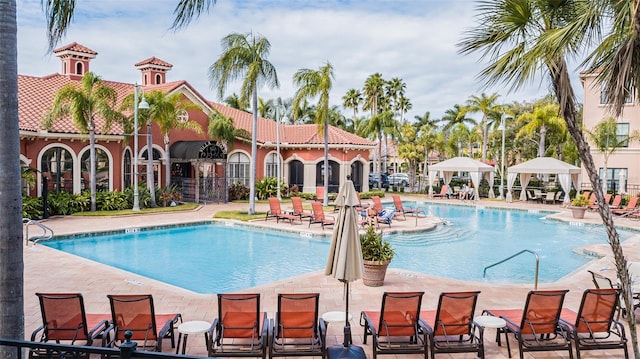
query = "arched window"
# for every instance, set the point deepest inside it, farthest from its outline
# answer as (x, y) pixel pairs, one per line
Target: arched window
(158, 79)
(127, 169)
(57, 167)
(356, 175)
(334, 175)
(78, 68)
(102, 170)
(271, 168)
(239, 167)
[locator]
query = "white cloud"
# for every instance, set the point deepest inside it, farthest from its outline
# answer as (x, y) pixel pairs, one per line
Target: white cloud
(410, 39)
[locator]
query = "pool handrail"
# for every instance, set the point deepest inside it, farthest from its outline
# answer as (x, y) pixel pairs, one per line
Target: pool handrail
(535, 284)
(47, 233)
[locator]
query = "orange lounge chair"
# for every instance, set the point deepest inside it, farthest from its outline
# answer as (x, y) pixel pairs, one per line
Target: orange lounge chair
(450, 328)
(397, 202)
(443, 192)
(298, 209)
(296, 330)
(377, 203)
(241, 329)
(276, 212)
(319, 216)
(617, 199)
(64, 320)
(537, 327)
(136, 313)
(593, 326)
(630, 208)
(396, 328)
(594, 206)
(320, 193)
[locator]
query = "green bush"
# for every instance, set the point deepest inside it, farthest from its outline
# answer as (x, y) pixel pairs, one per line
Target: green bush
(169, 194)
(268, 187)
(65, 203)
(368, 195)
(238, 191)
(31, 207)
(374, 248)
(144, 196)
(111, 201)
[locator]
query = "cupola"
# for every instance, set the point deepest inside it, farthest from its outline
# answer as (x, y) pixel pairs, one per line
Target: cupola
(75, 59)
(153, 71)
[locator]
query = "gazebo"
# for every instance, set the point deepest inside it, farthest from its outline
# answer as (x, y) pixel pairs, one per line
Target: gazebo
(567, 175)
(477, 170)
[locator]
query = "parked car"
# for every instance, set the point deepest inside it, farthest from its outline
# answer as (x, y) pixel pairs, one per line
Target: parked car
(399, 179)
(375, 177)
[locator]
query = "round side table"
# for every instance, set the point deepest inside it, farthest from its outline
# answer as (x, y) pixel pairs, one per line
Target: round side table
(192, 327)
(489, 321)
(336, 316)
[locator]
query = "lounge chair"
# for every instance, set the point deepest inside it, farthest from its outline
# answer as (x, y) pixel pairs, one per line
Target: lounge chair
(397, 202)
(537, 327)
(593, 326)
(275, 211)
(298, 209)
(64, 320)
(550, 197)
(617, 199)
(386, 216)
(319, 193)
(594, 206)
(361, 206)
(296, 330)
(602, 282)
(377, 203)
(450, 327)
(241, 329)
(396, 328)
(630, 208)
(443, 192)
(136, 313)
(319, 216)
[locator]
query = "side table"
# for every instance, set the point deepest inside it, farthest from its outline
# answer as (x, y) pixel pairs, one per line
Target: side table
(192, 327)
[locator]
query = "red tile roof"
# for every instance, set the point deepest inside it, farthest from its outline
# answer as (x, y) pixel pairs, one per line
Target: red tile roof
(154, 61)
(76, 47)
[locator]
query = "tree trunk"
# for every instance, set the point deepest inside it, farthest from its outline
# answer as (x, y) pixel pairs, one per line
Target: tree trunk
(151, 183)
(254, 149)
(325, 200)
(484, 138)
(167, 164)
(92, 163)
(11, 259)
(564, 93)
(543, 139)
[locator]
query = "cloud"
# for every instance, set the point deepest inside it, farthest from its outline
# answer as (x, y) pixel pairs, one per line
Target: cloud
(412, 40)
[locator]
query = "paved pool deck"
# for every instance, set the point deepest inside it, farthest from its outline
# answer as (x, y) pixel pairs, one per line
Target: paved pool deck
(48, 270)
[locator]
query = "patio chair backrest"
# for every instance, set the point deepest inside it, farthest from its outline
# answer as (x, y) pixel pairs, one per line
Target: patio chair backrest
(134, 312)
(274, 206)
(455, 312)
(597, 310)
(377, 203)
(444, 189)
(63, 316)
(542, 311)
(633, 202)
(397, 202)
(239, 315)
(600, 281)
(320, 193)
(607, 198)
(296, 202)
(616, 200)
(592, 199)
(318, 211)
(297, 315)
(400, 313)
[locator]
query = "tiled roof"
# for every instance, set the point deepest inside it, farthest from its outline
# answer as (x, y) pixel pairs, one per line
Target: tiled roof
(291, 134)
(74, 46)
(154, 61)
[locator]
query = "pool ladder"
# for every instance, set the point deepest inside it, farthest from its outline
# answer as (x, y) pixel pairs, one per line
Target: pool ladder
(535, 281)
(47, 233)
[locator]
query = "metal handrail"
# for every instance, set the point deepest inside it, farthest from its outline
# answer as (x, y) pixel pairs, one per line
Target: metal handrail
(47, 233)
(484, 272)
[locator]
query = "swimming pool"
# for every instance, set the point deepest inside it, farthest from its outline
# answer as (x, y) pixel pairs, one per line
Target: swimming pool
(215, 258)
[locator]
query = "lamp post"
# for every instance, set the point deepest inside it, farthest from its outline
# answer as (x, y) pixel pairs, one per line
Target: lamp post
(278, 169)
(142, 106)
(502, 128)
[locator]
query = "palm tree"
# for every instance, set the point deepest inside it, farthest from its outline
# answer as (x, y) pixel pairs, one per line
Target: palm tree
(234, 101)
(518, 43)
(454, 116)
(310, 84)
(82, 103)
(543, 118)
(352, 99)
(11, 256)
(605, 138)
(221, 128)
(245, 56)
(485, 105)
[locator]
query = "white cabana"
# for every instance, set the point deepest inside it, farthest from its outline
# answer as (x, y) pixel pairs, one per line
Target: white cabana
(567, 175)
(477, 170)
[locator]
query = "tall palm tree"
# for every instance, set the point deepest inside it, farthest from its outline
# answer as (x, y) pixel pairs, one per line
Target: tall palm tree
(221, 128)
(352, 99)
(11, 258)
(92, 97)
(311, 84)
(520, 40)
(544, 117)
(485, 105)
(454, 116)
(245, 55)
(234, 101)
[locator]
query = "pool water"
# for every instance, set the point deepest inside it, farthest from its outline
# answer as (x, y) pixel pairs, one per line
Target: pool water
(216, 258)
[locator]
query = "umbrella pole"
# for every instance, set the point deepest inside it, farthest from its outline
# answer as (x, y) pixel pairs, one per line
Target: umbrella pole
(347, 325)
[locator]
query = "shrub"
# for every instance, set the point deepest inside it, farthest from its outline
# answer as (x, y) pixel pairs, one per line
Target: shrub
(268, 187)
(169, 194)
(66, 203)
(111, 201)
(31, 207)
(374, 248)
(238, 192)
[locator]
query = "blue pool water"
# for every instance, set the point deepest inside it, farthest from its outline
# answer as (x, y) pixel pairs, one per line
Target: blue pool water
(215, 258)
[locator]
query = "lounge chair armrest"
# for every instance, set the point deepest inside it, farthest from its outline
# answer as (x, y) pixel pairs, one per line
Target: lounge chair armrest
(265, 326)
(109, 336)
(99, 329)
(424, 326)
(322, 325)
(365, 321)
(35, 333)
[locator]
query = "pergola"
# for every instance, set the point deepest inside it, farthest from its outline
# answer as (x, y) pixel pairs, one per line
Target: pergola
(477, 170)
(567, 174)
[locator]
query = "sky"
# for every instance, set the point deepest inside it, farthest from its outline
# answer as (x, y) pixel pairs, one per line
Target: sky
(414, 40)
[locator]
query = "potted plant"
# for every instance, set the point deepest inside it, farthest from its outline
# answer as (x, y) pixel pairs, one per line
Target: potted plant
(377, 254)
(579, 206)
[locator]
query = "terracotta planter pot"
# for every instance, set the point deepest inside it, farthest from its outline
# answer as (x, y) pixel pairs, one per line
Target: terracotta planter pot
(374, 272)
(578, 212)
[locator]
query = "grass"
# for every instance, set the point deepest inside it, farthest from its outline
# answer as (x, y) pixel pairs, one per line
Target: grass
(239, 215)
(124, 212)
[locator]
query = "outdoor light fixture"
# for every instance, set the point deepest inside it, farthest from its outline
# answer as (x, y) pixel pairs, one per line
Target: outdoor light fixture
(143, 105)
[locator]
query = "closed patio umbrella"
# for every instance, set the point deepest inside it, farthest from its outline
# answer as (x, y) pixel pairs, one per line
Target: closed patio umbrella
(345, 261)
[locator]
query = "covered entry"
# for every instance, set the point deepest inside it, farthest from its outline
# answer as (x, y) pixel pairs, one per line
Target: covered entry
(199, 168)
